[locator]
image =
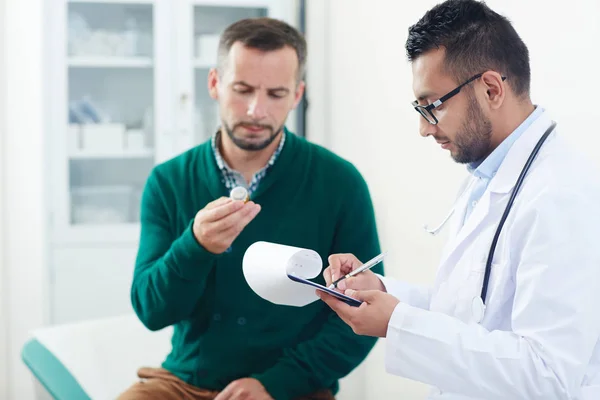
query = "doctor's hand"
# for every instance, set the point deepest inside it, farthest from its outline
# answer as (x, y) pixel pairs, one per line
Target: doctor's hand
(218, 224)
(342, 264)
(244, 389)
(371, 318)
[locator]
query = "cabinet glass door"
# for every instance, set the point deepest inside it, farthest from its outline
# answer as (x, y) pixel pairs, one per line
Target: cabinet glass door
(106, 118)
(110, 86)
(197, 113)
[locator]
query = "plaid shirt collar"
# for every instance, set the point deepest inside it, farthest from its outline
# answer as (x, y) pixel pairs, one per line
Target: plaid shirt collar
(232, 178)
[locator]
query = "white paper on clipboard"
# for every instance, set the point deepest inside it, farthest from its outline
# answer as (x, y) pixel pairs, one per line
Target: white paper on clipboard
(268, 266)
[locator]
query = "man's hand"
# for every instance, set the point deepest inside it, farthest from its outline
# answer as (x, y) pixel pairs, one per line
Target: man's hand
(342, 264)
(244, 389)
(371, 318)
(218, 224)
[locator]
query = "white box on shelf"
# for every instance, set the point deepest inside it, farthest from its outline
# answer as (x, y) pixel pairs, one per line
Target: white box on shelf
(207, 46)
(135, 140)
(103, 137)
(101, 204)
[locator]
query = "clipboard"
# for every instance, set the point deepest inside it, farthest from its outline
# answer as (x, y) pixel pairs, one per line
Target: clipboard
(346, 299)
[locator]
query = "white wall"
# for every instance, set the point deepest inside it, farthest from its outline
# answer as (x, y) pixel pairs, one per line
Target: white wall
(3, 316)
(352, 387)
(23, 158)
(360, 108)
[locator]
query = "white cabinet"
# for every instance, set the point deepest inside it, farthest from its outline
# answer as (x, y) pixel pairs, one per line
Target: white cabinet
(126, 90)
(89, 283)
(108, 114)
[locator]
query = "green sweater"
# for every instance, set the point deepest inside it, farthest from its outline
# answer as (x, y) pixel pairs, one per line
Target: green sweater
(223, 331)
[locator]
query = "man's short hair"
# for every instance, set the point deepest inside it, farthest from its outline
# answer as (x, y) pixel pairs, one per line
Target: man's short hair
(476, 39)
(265, 34)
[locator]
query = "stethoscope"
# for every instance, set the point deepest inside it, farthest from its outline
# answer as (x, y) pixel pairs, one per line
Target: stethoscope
(478, 304)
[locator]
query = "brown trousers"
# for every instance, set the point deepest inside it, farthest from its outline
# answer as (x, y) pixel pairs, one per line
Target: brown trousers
(160, 384)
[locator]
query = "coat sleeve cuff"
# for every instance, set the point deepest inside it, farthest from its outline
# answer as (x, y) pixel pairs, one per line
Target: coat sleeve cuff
(189, 258)
(392, 334)
(414, 295)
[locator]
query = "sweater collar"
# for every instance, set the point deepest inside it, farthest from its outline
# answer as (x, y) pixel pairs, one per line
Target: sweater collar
(213, 174)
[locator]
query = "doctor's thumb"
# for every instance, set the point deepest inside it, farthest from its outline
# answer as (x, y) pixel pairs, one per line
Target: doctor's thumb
(362, 295)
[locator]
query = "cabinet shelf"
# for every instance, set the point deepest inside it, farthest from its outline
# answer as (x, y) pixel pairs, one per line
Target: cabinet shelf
(127, 232)
(110, 62)
(123, 154)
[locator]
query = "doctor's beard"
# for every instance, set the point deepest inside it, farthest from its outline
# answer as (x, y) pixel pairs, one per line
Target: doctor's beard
(473, 141)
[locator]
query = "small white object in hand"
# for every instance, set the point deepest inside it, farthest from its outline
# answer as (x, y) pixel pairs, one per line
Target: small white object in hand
(239, 193)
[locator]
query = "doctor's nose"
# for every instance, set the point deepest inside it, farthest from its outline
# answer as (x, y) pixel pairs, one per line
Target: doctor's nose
(257, 109)
(426, 128)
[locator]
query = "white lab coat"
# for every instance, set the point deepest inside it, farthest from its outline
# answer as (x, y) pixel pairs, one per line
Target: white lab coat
(540, 335)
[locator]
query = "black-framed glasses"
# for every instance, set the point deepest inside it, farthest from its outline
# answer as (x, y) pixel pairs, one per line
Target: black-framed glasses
(427, 111)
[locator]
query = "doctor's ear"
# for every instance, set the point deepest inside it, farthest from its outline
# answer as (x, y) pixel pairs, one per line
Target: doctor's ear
(495, 88)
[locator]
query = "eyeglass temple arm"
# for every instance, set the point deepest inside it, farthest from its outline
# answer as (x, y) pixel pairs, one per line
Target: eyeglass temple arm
(453, 93)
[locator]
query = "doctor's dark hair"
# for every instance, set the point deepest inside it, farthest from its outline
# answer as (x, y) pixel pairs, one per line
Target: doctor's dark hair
(476, 39)
(265, 34)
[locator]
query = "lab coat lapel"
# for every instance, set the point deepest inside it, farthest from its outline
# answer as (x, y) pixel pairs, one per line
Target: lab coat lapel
(455, 225)
(496, 195)
(478, 215)
(460, 234)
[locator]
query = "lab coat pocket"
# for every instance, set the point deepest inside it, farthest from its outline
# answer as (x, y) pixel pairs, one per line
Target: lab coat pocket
(471, 289)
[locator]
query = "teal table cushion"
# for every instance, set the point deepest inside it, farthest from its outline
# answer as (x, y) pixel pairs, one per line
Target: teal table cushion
(51, 373)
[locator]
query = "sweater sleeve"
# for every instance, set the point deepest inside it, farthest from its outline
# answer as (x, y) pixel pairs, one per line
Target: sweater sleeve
(171, 270)
(335, 350)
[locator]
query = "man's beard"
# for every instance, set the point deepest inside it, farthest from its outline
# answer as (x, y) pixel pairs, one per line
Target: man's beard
(250, 146)
(473, 142)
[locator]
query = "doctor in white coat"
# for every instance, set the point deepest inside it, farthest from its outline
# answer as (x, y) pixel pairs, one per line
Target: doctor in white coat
(534, 332)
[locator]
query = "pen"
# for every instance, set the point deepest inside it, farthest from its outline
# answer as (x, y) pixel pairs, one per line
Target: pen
(368, 265)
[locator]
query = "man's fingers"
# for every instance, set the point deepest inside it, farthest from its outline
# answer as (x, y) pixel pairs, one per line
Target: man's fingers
(352, 282)
(342, 264)
(225, 394)
(343, 284)
(237, 222)
(336, 304)
(344, 259)
(233, 224)
(222, 211)
(327, 276)
(335, 265)
(218, 202)
(248, 216)
(363, 295)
